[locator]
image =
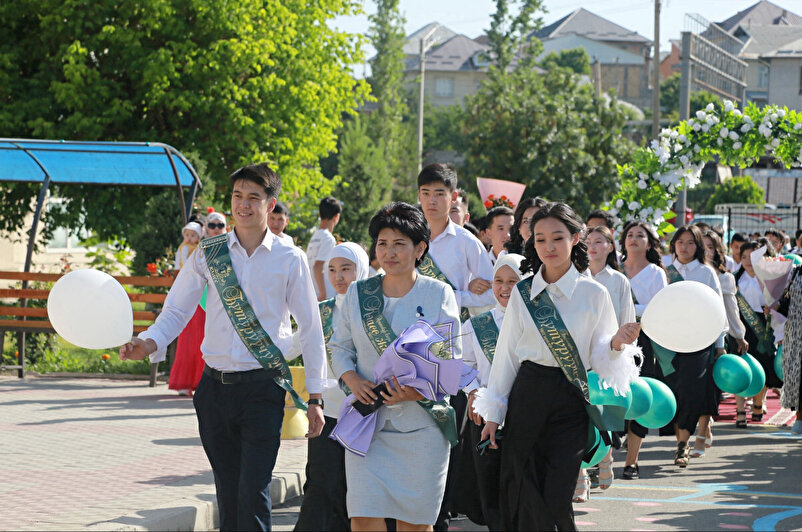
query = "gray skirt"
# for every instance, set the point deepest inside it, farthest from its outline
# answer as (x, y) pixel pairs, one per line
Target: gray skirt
(403, 475)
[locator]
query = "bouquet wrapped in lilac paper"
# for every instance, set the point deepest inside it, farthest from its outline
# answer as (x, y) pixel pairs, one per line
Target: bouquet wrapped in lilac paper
(421, 357)
(773, 274)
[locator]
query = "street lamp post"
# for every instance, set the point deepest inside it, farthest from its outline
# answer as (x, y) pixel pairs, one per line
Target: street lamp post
(423, 49)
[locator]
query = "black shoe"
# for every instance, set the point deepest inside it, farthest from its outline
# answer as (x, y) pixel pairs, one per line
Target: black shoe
(631, 472)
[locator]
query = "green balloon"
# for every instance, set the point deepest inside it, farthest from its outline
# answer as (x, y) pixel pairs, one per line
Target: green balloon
(758, 377)
(601, 452)
(732, 374)
(778, 362)
(642, 397)
(664, 405)
(600, 396)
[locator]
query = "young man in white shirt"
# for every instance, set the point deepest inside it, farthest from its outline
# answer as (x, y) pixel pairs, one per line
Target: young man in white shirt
(277, 221)
(239, 404)
(499, 224)
(459, 209)
(321, 244)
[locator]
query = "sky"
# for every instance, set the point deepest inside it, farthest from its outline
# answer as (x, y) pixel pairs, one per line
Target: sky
(472, 17)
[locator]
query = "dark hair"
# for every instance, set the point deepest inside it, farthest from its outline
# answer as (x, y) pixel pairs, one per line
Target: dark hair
(405, 219)
(653, 253)
(462, 196)
(480, 222)
(329, 208)
(197, 219)
(775, 233)
(262, 175)
(471, 229)
(500, 210)
(699, 254)
(438, 173)
(281, 208)
(719, 262)
(564, 214)
(738, 237)
(754, 244)
(516, 242)
(763, 241)
(797, 234)
(703, 226)
(612, 257)
(609, 219)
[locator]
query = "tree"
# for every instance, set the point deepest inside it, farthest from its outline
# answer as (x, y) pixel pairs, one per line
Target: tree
(576, 60)
(509, 35)
(234, 82)
(669, 98)
(736, 190)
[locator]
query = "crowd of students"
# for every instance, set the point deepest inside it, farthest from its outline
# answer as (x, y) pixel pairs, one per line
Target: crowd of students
(535, 297)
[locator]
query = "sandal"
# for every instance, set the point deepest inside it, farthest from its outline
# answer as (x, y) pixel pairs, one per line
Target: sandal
(582, 491)
(631, 472)
(740, 419)
(606, 471)
(698, 453)
(683, 454)
(757, 417)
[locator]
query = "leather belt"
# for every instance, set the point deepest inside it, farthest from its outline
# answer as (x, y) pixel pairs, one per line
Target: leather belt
(238, 377)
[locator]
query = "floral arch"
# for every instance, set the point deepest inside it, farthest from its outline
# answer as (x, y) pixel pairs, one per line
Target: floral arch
(675, 160)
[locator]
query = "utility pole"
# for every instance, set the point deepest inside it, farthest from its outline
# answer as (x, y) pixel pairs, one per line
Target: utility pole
(684, 113)
(423, 48)
(656, 73)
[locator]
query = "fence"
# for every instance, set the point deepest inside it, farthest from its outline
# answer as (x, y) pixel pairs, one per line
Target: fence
(757, 220)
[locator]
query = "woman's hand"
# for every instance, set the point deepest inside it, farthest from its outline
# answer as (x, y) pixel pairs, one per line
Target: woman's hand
(743, 345)
(397, 393)
(361, 388)
(719, 351)
(473, 416)
(490, 432)
(479, 286)
(627, 334)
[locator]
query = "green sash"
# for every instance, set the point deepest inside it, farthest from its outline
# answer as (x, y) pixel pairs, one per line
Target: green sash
(558, 339)
(242, 316)
(430, 269)
(762, 331)
(486, 330)
(673, 274)
(326, 314)
(381, 335)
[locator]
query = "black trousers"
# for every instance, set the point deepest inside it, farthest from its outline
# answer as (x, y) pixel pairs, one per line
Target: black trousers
(544, 441)
(460, 403)
(240, 428)
(476, 483)
(324, 506)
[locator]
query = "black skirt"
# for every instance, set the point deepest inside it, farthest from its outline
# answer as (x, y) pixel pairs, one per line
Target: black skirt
(476, 490)
(765, 359)
(693, 387)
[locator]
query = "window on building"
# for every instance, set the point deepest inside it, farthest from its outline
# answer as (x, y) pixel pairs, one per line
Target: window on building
(763, 77)
(444, 87)
(64, 239)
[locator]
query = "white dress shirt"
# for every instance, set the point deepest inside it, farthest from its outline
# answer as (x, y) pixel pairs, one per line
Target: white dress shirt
(737, 329)
(276, 281)
(462, 258)
(472, 353)
(645, 284)
(731, 265)
(287, 239)
(618, 287)
(750, 289)
(588, 313)
(318, 250)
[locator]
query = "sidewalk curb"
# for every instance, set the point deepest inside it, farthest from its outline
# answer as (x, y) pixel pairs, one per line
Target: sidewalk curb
(198, 514)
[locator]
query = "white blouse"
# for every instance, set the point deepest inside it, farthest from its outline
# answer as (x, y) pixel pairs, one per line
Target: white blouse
(727, 280)
(588, 313)
(472, 353)
(645, 284)
(618, 287)
(750, 289)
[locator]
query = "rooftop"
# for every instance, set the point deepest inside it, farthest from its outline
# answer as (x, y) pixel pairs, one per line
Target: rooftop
(764, 13)
(586, 24)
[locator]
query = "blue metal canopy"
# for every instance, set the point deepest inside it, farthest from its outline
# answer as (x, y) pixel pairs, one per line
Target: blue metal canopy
(97, 163)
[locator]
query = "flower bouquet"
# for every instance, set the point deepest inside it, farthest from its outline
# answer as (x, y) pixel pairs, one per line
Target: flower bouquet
(498, 192)
(421, 357)
(773, 274)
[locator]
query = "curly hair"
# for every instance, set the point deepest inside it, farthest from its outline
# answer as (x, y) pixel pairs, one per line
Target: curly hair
(404, 218)
(564, 214)
(653, 253)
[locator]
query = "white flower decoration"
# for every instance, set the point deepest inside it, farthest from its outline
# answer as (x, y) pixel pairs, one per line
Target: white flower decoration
(724, 132)
(619, 203)
(710, 107)
(737, 145)
(642, 184)
(633, 206)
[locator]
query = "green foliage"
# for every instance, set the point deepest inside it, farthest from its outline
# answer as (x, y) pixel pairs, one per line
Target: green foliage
(548, 132)
(674, 161)
(158, 232)
(576, 60)
(738, 189)
(111, 257)
(442, 129)
(366, 183)
(669, 98)
(63, 357)
(509, 35)
(236, 82)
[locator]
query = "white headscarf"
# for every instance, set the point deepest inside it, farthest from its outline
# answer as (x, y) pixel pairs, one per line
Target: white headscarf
(513, 260)
(194, 226)
(216, 216)
(356, 254)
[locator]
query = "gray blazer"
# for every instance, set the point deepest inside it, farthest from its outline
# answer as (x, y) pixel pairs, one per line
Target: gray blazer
(351, 348)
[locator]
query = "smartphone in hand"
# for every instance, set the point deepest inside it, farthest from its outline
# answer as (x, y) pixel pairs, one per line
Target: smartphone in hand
(364, 409)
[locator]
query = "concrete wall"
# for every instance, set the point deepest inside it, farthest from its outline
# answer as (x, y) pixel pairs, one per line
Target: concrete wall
(784, 82)
(463, 83)
(629, 82)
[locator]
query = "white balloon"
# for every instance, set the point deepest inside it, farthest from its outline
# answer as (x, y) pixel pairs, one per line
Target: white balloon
(90, 309)
(686, 316)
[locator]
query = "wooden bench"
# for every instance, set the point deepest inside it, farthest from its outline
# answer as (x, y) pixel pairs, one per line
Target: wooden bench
(22, 319)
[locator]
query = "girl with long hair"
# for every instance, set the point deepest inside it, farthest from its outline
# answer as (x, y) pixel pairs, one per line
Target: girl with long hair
(521, 226)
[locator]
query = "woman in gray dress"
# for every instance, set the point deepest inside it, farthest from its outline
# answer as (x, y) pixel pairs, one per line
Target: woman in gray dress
(402, 476)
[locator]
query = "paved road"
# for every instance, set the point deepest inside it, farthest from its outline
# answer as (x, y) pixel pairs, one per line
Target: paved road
(116, 455)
